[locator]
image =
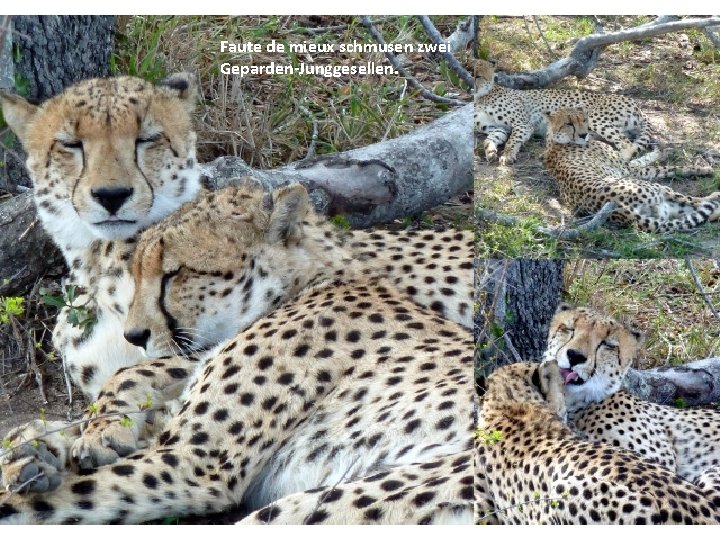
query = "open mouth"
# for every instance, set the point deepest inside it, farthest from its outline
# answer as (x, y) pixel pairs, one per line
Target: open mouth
(570, 377)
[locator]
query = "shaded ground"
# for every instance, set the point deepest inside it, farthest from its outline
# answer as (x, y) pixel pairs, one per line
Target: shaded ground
(676, 80)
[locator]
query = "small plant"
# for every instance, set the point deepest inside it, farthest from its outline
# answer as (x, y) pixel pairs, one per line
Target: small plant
(11, 306)
(680, 403)
(341, 222)
(80, 316)
(488, 437)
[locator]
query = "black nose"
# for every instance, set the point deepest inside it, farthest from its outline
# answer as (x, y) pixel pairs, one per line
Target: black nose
(112, 198)
(138, 338)
(575, 357)
(584, 136)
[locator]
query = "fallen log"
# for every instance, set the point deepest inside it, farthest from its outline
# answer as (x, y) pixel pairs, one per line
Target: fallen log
(694, 383)
(370, 185)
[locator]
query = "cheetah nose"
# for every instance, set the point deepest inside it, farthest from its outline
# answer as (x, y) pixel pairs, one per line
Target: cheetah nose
(576, 357)
(139, 338)
(112, 198)
(584, 136)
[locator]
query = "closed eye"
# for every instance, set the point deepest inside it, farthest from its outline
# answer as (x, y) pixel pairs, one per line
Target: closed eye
(609, 344)
(71, 145)
(149, 139)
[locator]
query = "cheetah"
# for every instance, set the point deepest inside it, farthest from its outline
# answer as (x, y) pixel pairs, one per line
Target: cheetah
(433, 269)
(594, 353)
(107, 157)
(504, 114)
(538, 471)
(334, 376)
(591, 173)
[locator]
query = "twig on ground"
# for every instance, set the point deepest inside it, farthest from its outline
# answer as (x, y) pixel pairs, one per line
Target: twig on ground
(453, 62)
(561, 234)
(536, 20)
(313, 139)
(412, 81)
(700, 288)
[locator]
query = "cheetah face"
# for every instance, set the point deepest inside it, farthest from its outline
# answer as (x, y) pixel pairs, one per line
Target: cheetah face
(593, 353)
(109, 157)
(484, 77)
(569, 126)
(214, 268)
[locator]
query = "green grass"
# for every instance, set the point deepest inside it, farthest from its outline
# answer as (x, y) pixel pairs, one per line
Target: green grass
(268, 120)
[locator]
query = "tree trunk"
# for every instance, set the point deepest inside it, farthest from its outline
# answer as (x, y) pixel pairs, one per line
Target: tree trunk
(50, 53)
(370, 185)
(517, 299)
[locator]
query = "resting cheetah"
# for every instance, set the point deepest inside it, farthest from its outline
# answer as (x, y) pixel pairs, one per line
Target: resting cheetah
(538, 471)
(107, 157)
(334, 375)
(590, 174)
(594, 353)
(500, 112)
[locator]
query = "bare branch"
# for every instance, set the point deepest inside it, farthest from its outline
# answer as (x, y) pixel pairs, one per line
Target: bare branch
(713, 34)
(465, 33)
(582, 59)
(700, 288)
(695, 383)
(561, 234)
(437, 39)
(424, 92)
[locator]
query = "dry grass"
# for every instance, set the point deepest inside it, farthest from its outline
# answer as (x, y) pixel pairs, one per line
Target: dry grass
(660, 296)
(267, 119)
(678, 87)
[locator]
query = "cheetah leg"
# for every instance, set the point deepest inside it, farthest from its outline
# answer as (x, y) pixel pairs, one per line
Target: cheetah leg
(496, 137)
(131, 409)
(519, 136)
(649, 173)
(709, 483)
(677, 212)
(149, 485)
(437, 492)
(36, 456)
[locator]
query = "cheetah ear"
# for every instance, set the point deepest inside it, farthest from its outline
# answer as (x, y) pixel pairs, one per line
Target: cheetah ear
(184, 86)
(289, 207)
(18, 113)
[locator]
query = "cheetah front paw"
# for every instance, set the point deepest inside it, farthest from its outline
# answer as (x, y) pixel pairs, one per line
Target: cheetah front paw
(103, 442)
(34, 455)
(506, 160)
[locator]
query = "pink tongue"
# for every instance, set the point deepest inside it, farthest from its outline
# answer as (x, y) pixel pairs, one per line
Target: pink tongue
(568, 374)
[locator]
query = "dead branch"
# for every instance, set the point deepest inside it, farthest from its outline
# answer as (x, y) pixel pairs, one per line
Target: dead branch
(584, 55)
(437, 39)
(561, 234)
(424, 92)
(694, 383)
(464, 34)
(700, 288)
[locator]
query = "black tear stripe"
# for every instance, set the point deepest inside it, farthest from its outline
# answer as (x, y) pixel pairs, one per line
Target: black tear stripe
(170, 321)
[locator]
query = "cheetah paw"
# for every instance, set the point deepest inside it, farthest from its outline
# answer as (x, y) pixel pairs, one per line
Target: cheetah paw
(506, 160)
(102, 443)
(34, 460)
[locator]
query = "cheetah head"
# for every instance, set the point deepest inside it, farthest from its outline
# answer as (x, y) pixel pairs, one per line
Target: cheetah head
(108, 157)
(484, 77)
(568, 126)
(216, 266)
(593, 353)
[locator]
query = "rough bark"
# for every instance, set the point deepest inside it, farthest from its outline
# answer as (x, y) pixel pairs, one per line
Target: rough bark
(52, 52)
(586, 51)
(377, 183)
(516, 299)
(694, 383)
